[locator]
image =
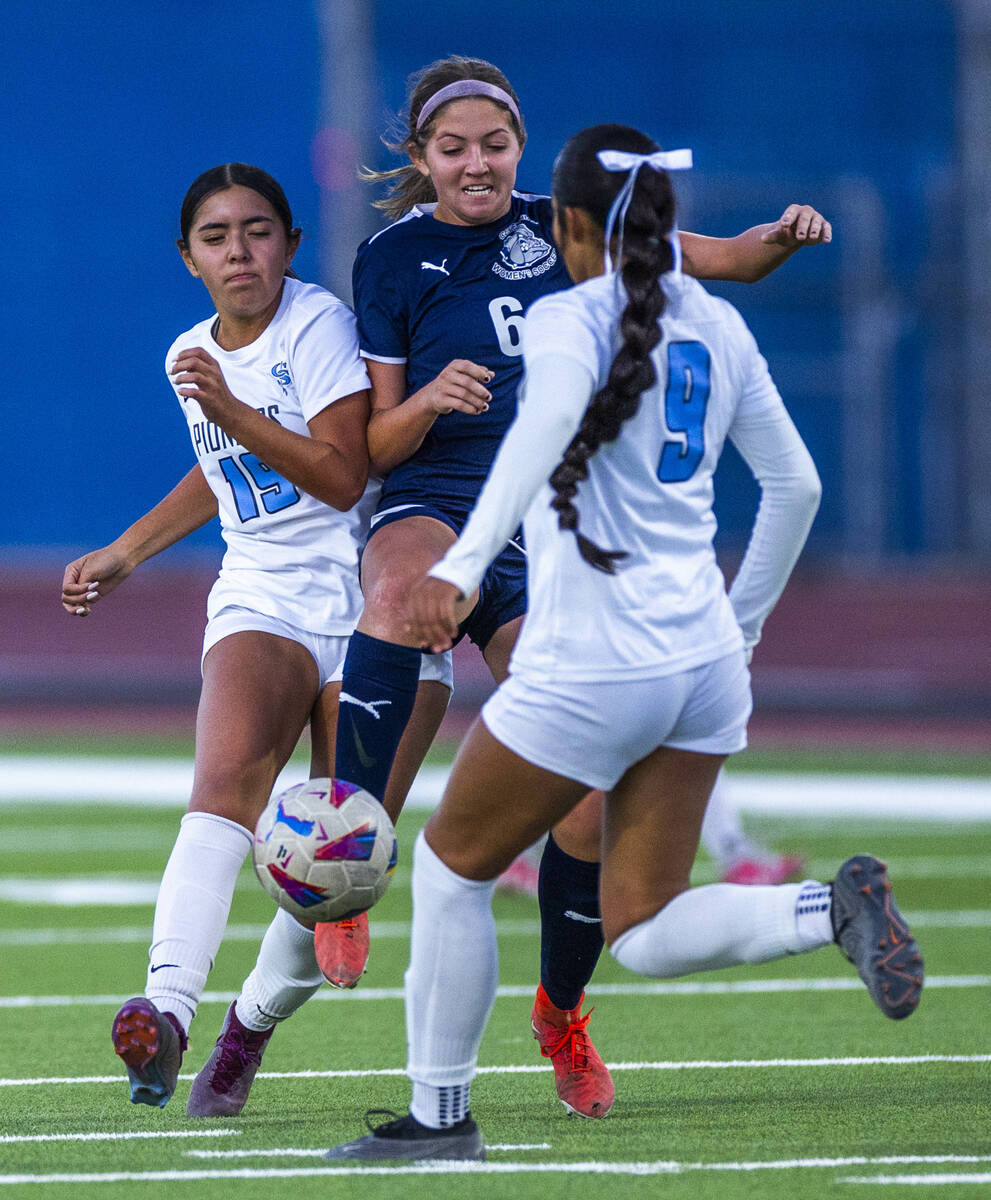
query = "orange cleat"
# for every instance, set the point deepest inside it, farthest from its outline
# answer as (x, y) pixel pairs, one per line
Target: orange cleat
(581, 1077)
(342, 950)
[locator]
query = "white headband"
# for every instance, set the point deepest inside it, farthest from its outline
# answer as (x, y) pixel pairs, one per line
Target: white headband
(622, 160)
(467, 87)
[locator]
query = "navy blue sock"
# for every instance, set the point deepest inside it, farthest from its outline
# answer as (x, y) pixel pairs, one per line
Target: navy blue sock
(570, 924)
(377, 694)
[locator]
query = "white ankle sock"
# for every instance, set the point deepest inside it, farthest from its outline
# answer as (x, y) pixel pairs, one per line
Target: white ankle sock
(191, 913)
(440, 1107)
(284, 977)
(450, 985)
(723, 925)
(814, 914)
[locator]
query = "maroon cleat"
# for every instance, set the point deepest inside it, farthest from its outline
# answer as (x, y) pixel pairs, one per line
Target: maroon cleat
(222, 1086)
(150, 1044)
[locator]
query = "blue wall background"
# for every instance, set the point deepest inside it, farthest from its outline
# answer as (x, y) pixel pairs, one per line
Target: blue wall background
(112, 109)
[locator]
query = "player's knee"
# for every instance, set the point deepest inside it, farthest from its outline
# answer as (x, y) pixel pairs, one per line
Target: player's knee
(386, 605)
(580, 832)
(237, 797)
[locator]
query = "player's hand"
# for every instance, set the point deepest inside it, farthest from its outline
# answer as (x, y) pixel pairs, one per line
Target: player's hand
(799, 225)
(431, 616)
(88, 579)
(199, 376)
(460, 387)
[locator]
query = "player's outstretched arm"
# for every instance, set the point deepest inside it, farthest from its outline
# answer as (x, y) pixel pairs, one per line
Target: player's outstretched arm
(399, 423)
(89, 578)
(756, 252)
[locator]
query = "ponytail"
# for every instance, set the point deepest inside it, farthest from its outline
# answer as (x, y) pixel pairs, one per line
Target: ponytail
(579, 181)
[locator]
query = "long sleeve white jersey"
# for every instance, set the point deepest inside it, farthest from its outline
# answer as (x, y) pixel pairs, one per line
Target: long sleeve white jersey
(649, 493)
(288, 554)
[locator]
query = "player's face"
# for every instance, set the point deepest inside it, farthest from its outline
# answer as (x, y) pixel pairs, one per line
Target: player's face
(471, 159)
(238, 247)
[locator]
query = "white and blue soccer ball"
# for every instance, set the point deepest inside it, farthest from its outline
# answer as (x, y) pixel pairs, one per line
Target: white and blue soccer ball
(325, 850)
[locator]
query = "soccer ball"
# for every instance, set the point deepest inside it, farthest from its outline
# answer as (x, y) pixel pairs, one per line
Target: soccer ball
(325, 850)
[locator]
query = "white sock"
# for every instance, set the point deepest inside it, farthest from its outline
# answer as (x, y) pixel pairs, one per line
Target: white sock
(284, 977)
(440, 1107)
(720, 925)
(450, 985)
(814, 914)
(722, 829)
(191, 912)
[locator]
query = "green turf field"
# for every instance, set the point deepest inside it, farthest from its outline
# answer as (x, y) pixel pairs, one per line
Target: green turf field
(774, 1081)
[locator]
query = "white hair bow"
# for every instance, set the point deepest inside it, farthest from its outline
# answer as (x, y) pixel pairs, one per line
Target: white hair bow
(623, 160)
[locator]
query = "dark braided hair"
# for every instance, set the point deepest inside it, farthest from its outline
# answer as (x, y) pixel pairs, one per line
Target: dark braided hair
(580, 181)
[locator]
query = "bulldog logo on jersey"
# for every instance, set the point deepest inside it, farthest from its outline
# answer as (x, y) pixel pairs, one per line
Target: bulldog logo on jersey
(524, 255)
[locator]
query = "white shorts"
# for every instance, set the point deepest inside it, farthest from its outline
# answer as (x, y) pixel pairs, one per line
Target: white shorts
(594, 732)
(328, 650)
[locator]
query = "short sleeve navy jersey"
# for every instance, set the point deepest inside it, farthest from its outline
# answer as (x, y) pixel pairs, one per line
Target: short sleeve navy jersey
(427, 292)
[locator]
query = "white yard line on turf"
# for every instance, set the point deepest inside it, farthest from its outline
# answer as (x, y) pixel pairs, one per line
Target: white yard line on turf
(8, 1139)
(515, 991)
(734, 1064)
(319, 1153)
(497, 1168)
(167, 782)
(937, 1180)
(113, 891)
(102, 935)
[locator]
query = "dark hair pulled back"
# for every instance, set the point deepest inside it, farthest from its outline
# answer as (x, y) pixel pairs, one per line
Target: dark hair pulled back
(580, 181)
(408, 186)
(234, 174)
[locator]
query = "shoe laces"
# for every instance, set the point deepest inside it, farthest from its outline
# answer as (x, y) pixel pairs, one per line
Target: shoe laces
(238, 1053)
(575, 1038)
(386, 1127)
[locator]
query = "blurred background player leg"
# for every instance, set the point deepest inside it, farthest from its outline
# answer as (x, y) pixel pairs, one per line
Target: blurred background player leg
(738, 858)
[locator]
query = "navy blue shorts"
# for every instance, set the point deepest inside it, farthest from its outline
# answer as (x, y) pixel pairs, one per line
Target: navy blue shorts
(502, 593)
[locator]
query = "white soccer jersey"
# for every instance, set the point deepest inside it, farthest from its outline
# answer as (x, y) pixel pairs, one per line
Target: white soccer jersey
(649, 493)
(288, 554)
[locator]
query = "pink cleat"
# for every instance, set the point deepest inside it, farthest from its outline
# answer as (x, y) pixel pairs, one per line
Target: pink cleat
(772, 870)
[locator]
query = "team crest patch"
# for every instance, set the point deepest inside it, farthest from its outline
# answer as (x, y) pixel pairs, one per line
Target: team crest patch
(281, 373)
(524, 255)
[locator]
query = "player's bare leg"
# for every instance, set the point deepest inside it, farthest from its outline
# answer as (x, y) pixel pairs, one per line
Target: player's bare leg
(451, 983)
(244, 738)
(657, 925)
(567, 886)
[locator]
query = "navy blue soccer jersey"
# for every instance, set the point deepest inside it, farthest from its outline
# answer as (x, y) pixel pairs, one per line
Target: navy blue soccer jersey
(427, 292)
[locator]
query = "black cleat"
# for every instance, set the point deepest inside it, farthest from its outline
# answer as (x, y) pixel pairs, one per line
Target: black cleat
(150, 1044)
(404, 1139)
(875, 937)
